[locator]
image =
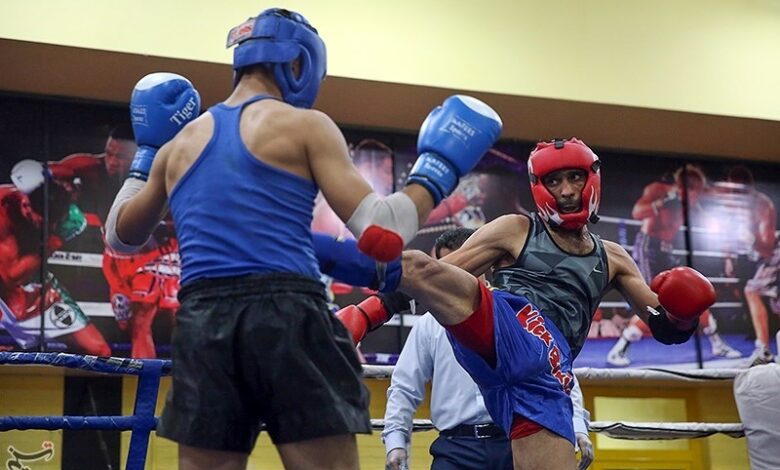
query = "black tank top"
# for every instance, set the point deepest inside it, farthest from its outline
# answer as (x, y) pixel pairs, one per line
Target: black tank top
(566, 288)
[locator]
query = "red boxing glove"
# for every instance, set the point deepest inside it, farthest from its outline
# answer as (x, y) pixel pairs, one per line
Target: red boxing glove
(372, 313)
(684, 293)
(380, 243)
(363, 317)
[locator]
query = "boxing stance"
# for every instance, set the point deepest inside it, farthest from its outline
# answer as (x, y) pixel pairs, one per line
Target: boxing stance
(94, 179)
(468, 438)
(518, 341)
(254, 341)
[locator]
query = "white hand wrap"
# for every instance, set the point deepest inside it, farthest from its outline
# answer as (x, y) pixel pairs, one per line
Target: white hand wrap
(131, 187)
(396, 212)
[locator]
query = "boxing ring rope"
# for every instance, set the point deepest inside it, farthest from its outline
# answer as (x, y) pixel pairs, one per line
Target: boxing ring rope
(617, 429)
(591, 373)
(149, 371)
(141, 423)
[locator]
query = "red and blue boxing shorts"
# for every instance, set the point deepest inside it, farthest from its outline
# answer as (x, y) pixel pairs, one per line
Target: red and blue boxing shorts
(527, 386)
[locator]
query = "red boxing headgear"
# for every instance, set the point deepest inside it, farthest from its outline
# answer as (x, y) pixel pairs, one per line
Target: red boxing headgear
(556, 155)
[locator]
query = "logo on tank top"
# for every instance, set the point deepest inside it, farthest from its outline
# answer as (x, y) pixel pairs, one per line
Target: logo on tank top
(533, 322)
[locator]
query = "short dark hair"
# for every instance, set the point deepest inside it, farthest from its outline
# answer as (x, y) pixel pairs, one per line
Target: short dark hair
(452, 239)
(741, 174)
(121, 131)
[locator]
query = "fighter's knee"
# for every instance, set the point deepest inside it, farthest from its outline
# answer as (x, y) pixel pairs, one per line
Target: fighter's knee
(419, 266)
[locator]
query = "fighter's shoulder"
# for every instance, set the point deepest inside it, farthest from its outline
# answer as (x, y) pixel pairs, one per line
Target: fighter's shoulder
(616, 254)
(305, 125)
(84, 158)
(8, 193)
(7, 190)
(513, 222)
(510, 227)
(764, 201)
(657, 187)
(203, 124)
(316, 121)
(194, 133)
(503, 232)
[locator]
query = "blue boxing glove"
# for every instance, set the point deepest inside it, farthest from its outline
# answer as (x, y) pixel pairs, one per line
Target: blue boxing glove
(452, 140)
(161, 105)
(341, 260)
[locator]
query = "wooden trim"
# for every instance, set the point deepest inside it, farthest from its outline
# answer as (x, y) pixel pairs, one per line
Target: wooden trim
(87, 74)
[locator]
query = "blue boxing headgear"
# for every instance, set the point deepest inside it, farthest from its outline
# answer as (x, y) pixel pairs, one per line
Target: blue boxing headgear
(277, 37)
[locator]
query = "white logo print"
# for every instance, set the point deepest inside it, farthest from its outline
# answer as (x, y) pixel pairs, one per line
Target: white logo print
(184, 114)
(593, 204)
(548, 213)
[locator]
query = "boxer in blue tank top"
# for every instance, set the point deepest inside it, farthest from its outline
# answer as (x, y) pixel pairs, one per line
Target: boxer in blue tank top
(254, 341)
(519, 340)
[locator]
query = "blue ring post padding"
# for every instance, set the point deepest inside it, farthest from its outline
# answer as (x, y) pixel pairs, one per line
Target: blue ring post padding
(141, 423)
(143, 414)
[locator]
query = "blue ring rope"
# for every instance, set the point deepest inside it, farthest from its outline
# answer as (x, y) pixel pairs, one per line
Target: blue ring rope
(141, 423)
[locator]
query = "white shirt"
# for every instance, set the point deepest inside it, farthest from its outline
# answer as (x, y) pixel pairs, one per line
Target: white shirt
(455, 399)
(758, 403)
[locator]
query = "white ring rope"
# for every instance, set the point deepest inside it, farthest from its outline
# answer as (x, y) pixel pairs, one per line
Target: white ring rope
(620, 429)
(665, 431)
(626, 430)
(590, 373)
(687, 375)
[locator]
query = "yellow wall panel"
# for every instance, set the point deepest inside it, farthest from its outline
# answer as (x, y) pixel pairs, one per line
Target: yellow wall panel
(30, 395)
(716, 405)
(687, 55)
(33, 394)
(642, 409)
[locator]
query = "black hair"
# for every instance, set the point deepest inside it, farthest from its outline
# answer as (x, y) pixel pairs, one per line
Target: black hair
(741, 174)
(59, 201)
(452, 239)
(122, 132)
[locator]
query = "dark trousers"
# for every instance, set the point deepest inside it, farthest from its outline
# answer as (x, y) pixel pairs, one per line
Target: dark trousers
(471, 453)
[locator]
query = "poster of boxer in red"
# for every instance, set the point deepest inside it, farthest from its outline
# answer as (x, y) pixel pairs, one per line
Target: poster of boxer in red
(84, 299)
(718, 216)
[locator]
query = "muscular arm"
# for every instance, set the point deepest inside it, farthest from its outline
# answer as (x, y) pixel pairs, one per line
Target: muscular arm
(17, 270)
(338, 178)
(75, 165)
(140, 215)
(644, 206)
(626, 278)
(498, 242)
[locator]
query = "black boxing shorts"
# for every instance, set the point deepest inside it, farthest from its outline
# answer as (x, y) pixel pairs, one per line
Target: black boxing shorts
(261, 349)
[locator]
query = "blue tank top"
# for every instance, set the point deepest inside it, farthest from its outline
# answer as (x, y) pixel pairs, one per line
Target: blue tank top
(566, 288)
(236, 215)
